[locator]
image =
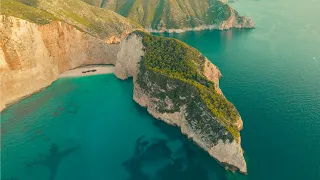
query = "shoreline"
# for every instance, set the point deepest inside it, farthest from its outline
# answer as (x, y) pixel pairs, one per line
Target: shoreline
(73, 73)
(197, 28)
(221, 27)
(89, 70)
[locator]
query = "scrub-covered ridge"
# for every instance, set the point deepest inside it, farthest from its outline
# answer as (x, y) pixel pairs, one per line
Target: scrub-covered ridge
(177, 15)
(102, 23)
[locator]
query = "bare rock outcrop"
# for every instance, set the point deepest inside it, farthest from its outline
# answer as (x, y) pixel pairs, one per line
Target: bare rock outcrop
(236, 21)
(128, 57)
(213, 74)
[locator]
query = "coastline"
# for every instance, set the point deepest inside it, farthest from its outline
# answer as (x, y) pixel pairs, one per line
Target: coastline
(198, 28)
(88, 71)
(73, 73)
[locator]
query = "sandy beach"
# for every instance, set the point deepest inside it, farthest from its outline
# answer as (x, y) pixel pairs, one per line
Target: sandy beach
(88, 71)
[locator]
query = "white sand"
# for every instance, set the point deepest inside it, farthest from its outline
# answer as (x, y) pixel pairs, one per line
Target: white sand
(100, 69)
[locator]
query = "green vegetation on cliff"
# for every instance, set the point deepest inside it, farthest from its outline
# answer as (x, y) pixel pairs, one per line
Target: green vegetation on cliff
(168, 58)
(173, 14)
(99, 22)
(20, 10)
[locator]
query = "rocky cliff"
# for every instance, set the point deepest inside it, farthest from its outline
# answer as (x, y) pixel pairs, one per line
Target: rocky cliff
(172, 80)
(33, 56)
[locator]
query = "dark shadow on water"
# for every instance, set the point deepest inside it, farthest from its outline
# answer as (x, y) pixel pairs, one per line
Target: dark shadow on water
(172, 132)
(155, 159)
(155, 154)
(140, 111)
(53, 159)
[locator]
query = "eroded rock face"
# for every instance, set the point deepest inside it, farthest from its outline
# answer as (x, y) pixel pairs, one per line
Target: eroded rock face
(128, 57)
(33, 56)
(212, 73)
(229, 153)
(236, 21)
(158, 94)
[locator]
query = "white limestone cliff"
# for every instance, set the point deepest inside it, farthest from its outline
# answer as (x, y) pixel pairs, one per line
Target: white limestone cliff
(33, 56)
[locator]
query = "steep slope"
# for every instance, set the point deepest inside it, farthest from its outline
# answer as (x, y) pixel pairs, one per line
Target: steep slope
(177, 15)
(102, 23)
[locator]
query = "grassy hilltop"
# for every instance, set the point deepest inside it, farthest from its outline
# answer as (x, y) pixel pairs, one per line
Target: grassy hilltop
(96, 21)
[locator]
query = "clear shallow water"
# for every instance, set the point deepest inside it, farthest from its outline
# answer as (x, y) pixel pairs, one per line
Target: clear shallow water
(272, 75)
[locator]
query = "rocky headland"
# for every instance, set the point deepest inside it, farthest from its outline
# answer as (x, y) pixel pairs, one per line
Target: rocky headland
(192, 101)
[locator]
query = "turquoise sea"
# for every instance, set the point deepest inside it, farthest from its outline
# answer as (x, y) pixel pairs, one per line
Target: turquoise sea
(90, 128)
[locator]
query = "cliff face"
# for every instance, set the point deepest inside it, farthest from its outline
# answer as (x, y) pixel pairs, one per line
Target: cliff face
(172, 80)
(33, 56)
(128, 57)
(178, 102)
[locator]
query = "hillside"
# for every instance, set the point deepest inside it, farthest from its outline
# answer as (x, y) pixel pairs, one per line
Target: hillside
(177, 15)
(101, 23)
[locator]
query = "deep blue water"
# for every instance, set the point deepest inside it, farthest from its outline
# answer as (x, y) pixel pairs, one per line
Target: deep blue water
(90, 128)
